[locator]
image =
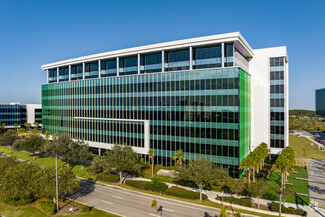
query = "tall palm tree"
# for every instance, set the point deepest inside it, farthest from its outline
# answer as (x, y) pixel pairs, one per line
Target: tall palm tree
(16, 126)
(151, 153)
(178, 157)
(245, 165)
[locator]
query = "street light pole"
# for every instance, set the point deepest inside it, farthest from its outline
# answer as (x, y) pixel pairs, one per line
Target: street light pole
(56, 182)
(280, 192)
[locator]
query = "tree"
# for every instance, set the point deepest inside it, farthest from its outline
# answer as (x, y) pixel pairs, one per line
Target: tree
(284, 164)
(246, 165)
(151, 153)
(70, 151)
(31, 143)
(223, 212)
(21, 130)
(3, 125)
(237, 186)
(16, 126)
(221, 176)
(154, 205)
(200, 171)
(178, 157)
(8, 138)
(36, 124)
(27, 125)
(123, 159)
(68, 183)
(47, 135)
(257, 189)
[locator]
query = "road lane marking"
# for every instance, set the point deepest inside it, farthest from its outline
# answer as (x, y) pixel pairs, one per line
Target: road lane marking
(117, 197)
(167, 210)
(107, 202)
(164, 201)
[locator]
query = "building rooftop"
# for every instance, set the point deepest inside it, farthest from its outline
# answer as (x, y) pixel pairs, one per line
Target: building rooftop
(239, 42)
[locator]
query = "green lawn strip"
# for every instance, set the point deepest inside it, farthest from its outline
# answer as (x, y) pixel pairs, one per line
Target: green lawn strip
(47, 162)
(272, 194)
(204, 203)
(303, 149)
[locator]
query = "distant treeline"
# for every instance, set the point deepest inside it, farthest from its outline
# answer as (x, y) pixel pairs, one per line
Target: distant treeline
(301, 112)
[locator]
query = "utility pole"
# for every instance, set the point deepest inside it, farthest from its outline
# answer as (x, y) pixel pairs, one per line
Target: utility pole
(56, 182)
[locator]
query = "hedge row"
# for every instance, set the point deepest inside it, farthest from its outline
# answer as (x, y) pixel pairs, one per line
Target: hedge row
(17, 202)
(108, 177)
(137, 184)
(48, 207)
(183, 193)
(240, 201)
(289, 210)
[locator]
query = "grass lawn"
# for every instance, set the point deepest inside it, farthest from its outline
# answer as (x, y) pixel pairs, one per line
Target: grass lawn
(303, 149)
(299, 186)
(34, 212)
(47, 162)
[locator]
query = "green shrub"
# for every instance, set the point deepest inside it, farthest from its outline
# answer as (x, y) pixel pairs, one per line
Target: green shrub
(48, 207)
(85, 209)
(156, 185)
(137, 184)
(17, 202)
(183, 193)
(240, 201)
(108, 177)
(290, 210)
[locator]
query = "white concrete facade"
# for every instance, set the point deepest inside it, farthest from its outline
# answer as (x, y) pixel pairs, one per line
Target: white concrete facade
(30, 110)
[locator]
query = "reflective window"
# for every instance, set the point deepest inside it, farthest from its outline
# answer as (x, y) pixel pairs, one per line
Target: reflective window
(128, 65)
(52, 75)
(91, 70)
(108, 68)
(277, 88)
(177, 60)
(207, 57)
(277, 102)
(228, 54)
(150, 63)
(76, 72)
(64, 74)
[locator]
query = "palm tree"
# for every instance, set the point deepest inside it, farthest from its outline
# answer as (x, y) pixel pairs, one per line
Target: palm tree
(223, 212)
(178, 157)
(3, 125)
(151, 153)
(27, 125)
(245, 165)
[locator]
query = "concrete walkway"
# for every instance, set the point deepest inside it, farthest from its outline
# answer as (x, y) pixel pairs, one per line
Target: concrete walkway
(316, 178)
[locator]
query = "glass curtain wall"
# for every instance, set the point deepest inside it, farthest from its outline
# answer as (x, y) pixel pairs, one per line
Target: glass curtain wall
(177, 60)
(196, 111)
(207, 57)
(76, 72)
(63, 74)
(228, 54)
(91, 70)
(277, 69)
(150, 63)
(128, 65)
(108, 68)
(52, 75)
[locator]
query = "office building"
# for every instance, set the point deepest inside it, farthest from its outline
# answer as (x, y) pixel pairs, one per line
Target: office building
(213, 97)
(16, 113)
(320, 102)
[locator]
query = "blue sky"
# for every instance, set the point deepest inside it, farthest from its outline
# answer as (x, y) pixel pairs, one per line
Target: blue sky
(33, 33)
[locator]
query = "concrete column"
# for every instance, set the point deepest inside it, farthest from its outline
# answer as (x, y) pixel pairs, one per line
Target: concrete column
(99, 152)
(191, 58)
(57, 74)
(117, 66)
(162, 61)
(47, 76)
(83, 70)
(222, 54)
(69, 72)
(139, 66)
(99, 69)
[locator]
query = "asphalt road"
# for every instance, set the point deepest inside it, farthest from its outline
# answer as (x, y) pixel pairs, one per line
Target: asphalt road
(134, 204)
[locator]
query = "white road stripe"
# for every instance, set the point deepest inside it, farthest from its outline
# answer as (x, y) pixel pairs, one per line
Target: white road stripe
(107, 202)
(164, 201)
(118, 197)
(167, 210)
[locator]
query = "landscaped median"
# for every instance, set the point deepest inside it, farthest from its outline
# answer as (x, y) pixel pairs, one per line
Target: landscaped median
(154, 188)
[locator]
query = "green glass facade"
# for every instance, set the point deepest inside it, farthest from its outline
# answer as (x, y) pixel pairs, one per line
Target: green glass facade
(206, 113)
